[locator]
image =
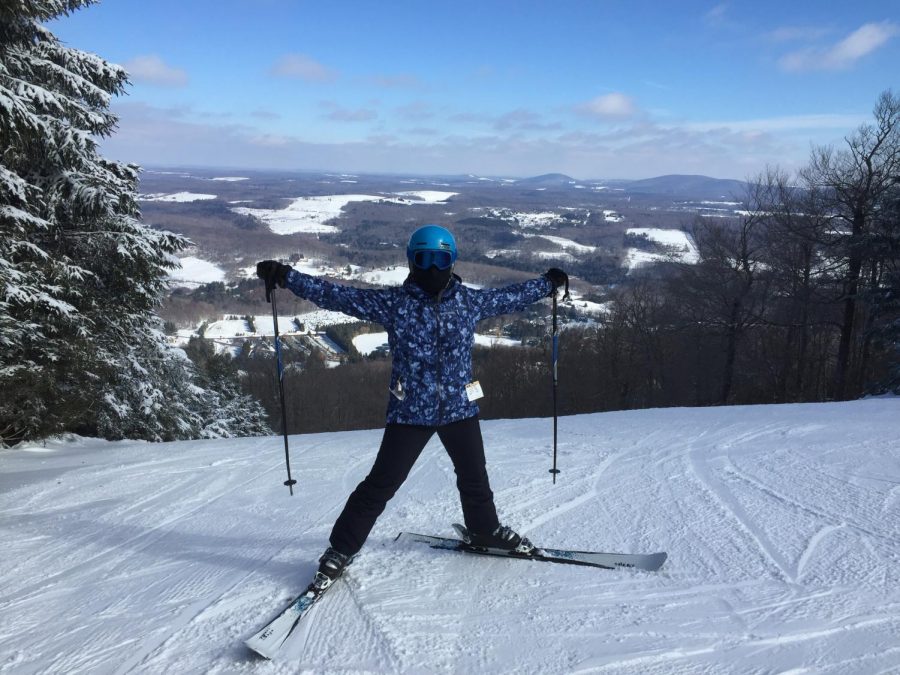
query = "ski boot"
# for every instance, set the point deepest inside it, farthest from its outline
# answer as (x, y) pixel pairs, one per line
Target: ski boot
(331, 566)
(503, 538)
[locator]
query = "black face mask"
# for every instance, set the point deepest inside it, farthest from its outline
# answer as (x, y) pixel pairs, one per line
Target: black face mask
(432, 280)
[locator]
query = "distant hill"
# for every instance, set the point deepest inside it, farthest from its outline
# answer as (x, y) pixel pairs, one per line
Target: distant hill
(696, 187)
(548, 180)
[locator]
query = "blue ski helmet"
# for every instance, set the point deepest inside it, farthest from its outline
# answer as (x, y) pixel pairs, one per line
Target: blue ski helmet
(431, 245)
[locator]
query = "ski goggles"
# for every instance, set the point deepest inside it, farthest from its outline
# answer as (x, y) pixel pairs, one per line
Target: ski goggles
(440, 259)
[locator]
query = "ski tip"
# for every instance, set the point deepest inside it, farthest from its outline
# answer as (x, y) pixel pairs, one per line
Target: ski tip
(259, 651)
(656, 560)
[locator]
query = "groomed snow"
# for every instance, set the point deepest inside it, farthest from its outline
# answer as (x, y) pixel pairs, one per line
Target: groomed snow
(782, 525)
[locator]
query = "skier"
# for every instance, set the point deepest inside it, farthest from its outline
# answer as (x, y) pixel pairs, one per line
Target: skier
(430, 321)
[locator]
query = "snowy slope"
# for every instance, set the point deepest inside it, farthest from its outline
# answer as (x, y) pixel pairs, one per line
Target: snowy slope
(782, 525)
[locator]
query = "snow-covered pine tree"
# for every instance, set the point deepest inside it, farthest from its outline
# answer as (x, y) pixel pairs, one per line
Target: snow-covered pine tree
(227, 411)
(80, 275)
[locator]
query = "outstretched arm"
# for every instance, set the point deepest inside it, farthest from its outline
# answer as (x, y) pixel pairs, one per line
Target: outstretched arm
(495, 301)
(363, 303)
(369, 304)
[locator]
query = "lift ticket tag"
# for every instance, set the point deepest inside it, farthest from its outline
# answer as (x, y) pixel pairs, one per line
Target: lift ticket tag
(473, 391)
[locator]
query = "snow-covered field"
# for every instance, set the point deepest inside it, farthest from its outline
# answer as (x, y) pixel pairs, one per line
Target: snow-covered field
(427, 196)
(367, 343)
(195, 272)
(782, 525)
(612, 216)
(237, 327)
(495, 341)
(392, 276)
(680, 245)
(176, 197)
(305, 214)
(537, 220)
(311, 214)
(562, 242)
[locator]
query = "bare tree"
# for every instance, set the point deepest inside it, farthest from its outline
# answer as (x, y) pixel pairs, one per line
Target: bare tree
(853, 184)
(794, 233)
(722, 293)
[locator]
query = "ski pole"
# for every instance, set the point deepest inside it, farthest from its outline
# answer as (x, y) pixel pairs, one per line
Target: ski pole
(555, 358)
(290, 482)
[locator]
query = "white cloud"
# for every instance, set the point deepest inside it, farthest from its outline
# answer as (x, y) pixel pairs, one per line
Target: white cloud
(303, 67)
(784, 123)
(845, 54)
(152, 69)
(175, 137)
(609, 106)
(716, 15)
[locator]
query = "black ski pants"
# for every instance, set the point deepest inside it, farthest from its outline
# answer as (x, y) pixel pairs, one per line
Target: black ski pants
(400, 448)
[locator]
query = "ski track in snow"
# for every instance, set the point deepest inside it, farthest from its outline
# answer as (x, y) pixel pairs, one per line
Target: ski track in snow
(782, 525)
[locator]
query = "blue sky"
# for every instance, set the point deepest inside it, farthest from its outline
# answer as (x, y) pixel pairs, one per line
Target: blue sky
(591, 88)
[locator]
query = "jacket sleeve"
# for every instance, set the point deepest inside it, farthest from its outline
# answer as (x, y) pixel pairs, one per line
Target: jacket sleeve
(495, 301)
(368, 304)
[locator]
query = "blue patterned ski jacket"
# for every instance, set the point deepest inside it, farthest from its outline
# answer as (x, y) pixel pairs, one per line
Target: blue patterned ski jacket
(430, 341)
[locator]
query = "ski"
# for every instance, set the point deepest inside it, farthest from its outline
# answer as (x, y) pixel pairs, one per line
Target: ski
(268, 641)
(649, 562)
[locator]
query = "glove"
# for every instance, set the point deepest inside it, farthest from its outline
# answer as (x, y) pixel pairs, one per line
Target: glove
(272, 272)
(558, 278)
